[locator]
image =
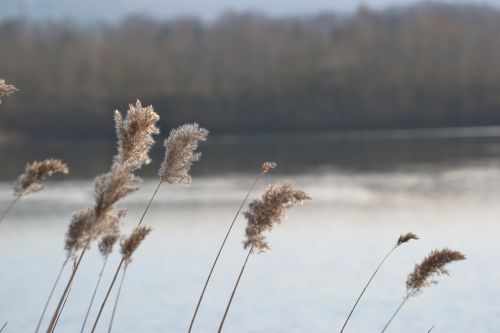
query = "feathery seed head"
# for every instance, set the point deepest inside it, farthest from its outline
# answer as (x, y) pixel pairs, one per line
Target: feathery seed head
(433, 264)
(78, 230)
(180, 153)
(135, 135)
(132, 242)
(267, 166)
(35, 173)
(271, 209)
(106, 244)
(406, 238)
(113, 186)
(6, 89)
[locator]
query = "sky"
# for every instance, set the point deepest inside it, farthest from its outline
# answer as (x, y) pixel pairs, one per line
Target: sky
(114, 10)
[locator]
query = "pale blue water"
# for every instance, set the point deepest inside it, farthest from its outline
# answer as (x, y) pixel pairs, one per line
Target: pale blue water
(319, 258)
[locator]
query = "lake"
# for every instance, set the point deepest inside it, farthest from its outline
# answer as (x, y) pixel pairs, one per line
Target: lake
(367, 190)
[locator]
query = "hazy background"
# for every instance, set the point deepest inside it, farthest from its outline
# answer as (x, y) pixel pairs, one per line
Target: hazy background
(386, 112)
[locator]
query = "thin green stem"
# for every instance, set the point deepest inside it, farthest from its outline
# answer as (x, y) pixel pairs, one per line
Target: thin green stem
(234, 290)
(94, 293)
(68, 285)
(56, 282)
(12, 203)
(117, 298)
(107, 295)
(407, 297)
(220, 250)
(366, 286)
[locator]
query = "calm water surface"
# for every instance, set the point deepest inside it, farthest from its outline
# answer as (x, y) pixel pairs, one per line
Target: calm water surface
(366, 192)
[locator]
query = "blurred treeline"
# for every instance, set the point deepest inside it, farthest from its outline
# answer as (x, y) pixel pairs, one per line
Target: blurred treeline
(420, 66)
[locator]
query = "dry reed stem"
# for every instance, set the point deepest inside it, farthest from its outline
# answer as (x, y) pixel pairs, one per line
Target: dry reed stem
(430, 330)
(117, 298)
(9, 207)
(65, 292)
(107, 294)
(404, 238)
(56, 282)
(265, 168)
(6, 90)
(94, 293)
(234, 290)
(4, 325)
(421, 277)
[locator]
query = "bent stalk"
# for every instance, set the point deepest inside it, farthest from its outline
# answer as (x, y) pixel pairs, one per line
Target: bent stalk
(234, 290)
(94, 293)
(56, 282)
(366, 287)
(116, 299)
(220, 250)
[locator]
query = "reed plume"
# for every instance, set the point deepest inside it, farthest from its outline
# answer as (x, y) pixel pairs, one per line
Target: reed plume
(105, 246)
(134, 143)
(404, 238)
(6, 89)
(423, 275)
(180, 147)
(128, 246)
(265, 168)
(33, 177)
(135, 135)
(261, 216)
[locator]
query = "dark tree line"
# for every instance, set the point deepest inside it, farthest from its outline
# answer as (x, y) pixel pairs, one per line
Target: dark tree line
(420, 66)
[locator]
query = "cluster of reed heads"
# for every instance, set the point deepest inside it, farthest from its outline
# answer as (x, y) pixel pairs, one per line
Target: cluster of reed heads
(102, 222)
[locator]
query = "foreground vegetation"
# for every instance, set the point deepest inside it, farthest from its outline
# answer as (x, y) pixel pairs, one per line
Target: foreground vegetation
(101, 223)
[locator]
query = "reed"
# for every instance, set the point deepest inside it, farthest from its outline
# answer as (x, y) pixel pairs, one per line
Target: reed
(180, 154)
(265, 168)
(401, 240)
(134, 135)
(3, 326)
(106, 248)
(128, 246)
(423, 274)
(6, 89)
(430, 330)
(31, 180)
(262, 215)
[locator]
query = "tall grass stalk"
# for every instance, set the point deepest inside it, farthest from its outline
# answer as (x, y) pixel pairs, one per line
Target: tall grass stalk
(12, 203)
(66, 290)
(429, 331)
(62, 308)
(116, 299)
(94, 293)
(107, 295)
(56, 282)
(4, 325)
(234, 290)
(405, 299)
(402, 239)
(263, 171)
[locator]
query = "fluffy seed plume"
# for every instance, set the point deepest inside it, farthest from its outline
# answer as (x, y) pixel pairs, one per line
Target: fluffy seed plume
(180, 153)
(78, 227)
(404, 238)
(113, 186)
(271, 209)
(35, 173)
(106, 244)
(6, 89)
(135, 135)
(267, 166)
(132, 242)
(432, 265)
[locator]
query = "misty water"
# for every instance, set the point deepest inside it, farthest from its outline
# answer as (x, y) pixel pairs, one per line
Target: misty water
(366, 190)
